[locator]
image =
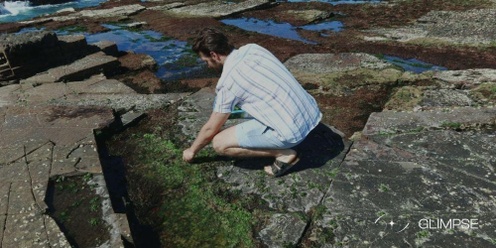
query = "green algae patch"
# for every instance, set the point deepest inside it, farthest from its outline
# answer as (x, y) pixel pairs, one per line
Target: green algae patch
(191, 210)
(405, 97)
(485, 92)
(339, 83)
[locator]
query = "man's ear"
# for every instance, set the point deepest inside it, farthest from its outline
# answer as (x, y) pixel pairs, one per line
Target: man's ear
(214, 56)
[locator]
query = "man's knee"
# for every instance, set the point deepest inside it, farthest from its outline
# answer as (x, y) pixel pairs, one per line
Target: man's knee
(218, 144)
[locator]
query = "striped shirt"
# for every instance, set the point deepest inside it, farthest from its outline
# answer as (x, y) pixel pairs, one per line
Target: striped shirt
(257, 82)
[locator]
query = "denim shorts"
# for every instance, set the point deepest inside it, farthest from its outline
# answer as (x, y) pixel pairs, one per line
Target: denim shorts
(254, 134)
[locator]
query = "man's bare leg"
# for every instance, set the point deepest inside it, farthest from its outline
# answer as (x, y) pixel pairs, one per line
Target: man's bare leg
(226, 143)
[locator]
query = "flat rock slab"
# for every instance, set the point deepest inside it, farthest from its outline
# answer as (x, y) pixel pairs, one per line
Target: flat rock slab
(115, 12)
(283, 230)
(218, 9)
(16, 44)
(303, 188)
(78, 70)
(391, 122)
(47, 130)
(329, 63)
(462, 27)
(325, 71)
(393, 190)
(468, 78)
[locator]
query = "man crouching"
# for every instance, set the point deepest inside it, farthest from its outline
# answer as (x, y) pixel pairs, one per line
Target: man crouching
(254, 80)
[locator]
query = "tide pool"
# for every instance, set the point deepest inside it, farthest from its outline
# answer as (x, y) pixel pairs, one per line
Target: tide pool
(282, 30)
(412, 64)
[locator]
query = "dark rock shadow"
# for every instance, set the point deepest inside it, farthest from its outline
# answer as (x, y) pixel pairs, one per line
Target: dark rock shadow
(319, 147)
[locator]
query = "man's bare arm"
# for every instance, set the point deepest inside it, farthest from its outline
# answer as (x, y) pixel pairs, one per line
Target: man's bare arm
(206, 134)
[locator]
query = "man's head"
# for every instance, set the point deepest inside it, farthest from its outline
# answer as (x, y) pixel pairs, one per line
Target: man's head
(212, 46)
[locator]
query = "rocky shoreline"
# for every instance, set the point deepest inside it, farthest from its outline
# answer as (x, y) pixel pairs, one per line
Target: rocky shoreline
(416, 146)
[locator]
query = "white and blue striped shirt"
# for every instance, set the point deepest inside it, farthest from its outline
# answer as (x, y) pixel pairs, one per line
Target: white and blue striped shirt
(257, 82)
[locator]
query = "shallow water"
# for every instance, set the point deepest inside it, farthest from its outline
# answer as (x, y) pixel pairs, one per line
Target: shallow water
(413, 65)
(174, 58)
(282, 30)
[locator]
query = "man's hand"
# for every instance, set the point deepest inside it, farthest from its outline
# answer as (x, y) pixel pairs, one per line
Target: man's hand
(188, 155)
(206, 134)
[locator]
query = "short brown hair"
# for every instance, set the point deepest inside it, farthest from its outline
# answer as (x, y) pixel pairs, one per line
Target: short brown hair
(211, 40)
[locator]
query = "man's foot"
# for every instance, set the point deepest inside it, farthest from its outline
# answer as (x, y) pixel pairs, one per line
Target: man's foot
(279, 167)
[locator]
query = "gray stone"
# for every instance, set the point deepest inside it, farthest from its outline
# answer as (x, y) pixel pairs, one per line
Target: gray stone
(104, 86)
(461, 27)
(310, 15)
(120, 11)
(14, 172)
(62, 165)
(167, 6)
(122, 102)
(3, 217)
(466, 78)
(405, 178)
(328, 63)
(218, 9)
(389, 122)
(283, 230)
(194, 111)
(108, 47)
(4, 199)
(55, 236)
(445, 98)
(130, 117)
(21, 199)
(7, 95)
(80, 69)
(25, 230)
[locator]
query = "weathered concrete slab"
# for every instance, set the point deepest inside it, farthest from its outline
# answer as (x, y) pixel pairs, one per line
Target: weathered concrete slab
(219, 8)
